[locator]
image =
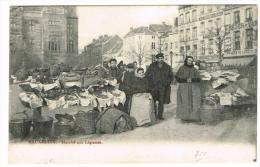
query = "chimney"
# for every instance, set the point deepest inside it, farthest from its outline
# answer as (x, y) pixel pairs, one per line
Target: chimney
(105, 36)
(131, 28)
(163, 23)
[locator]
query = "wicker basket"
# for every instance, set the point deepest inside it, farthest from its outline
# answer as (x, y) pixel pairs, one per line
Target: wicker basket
(20, 127)
(86, 121)
(61, 129)
(43, 126)
(210, 114)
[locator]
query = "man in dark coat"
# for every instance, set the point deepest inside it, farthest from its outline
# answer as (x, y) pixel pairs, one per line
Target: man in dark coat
(126, 82)
(114, 71)
(160, 76)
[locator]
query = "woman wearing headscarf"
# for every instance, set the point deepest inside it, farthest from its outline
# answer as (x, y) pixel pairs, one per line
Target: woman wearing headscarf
(188, 93)
(141, 103)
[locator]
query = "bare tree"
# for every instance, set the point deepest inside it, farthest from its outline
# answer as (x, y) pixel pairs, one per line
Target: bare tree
(138, 51)
(219, 33)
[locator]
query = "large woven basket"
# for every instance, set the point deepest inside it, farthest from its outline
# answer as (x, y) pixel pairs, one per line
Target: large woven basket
(43, 126)
(210, 114)
(86, 121)
(20, 127)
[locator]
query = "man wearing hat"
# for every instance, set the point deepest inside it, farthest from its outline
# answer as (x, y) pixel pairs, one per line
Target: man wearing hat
(160, 76)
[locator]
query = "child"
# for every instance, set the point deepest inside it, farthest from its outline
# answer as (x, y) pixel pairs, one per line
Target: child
(36, 104)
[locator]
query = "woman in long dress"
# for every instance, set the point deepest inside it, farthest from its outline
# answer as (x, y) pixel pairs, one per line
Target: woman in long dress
(188, 93)
(141, 104)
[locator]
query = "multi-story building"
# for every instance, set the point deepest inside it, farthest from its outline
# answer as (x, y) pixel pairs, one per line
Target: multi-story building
(141, 44)
(218, 33)
(102, 49)
(42, 35)
(195, 25)
(172, 55)
(241, 26)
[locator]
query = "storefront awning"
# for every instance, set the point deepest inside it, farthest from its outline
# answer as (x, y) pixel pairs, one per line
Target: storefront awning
(242, 61)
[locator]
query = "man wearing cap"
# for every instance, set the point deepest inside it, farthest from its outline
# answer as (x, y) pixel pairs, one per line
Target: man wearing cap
(160, 76)
(114, 72)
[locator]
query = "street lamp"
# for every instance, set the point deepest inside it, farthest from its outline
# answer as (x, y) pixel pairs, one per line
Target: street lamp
(171, 53)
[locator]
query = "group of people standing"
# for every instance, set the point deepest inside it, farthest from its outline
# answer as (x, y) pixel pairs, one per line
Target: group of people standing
(157, 80)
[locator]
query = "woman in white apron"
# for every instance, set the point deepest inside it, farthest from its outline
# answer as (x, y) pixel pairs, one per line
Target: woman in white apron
(141, 104)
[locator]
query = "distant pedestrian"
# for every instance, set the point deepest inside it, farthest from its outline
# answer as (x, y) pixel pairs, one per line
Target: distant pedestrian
(160, 76)
(188, 93)
(135, 65)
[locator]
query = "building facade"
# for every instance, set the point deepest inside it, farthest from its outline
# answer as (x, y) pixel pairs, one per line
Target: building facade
(102, 49)
(42, 35)
(215, 33)
(241, 25)
(141, 44)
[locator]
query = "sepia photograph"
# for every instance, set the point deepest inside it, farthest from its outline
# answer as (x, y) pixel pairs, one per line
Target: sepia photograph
(143, 80)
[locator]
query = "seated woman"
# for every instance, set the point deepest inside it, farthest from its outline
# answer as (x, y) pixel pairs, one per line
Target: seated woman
(141, 104)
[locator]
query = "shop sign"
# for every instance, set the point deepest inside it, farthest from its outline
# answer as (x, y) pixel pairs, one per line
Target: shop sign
(211, 16)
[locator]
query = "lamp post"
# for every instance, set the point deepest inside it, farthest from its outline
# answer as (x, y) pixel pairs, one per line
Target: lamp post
(171, 54)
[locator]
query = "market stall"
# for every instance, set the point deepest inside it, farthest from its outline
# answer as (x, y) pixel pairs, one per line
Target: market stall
(224, 92)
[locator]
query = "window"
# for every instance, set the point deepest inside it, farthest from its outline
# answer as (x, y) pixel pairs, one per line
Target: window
(210, 46)
(249, 14)
(69, 28)
(195, 49)
(202, 27)
(194, 33)
(70, 46)
(31, 42)
(171, 45)
(188, 48)
(194, 15)
(188, 34)
(31, 25)
(13, 25)
(181, 19)
(202, 48)
(153, 45)
(209, 9)
(166, 46)
(202, 10)
(153, 37)
(182, 50)
(218, 22)
(181, 35)
(236, 17)
(237, 40)
(187, 17)
(227, 19)
(218, 7)
(210, 24)
(249, 38)
(54, 45)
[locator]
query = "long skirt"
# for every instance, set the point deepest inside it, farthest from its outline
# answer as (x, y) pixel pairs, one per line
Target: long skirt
(188, 101)
(142, 108)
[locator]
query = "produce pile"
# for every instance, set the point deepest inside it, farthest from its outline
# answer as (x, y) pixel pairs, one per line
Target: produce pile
(224, 88)
(71, 89)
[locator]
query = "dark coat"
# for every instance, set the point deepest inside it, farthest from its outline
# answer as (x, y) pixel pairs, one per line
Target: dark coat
(160, 79)
(126, 82)
(115, 73)
(140, 85)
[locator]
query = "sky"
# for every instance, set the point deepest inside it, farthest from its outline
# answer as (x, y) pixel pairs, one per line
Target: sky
(99, 20)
